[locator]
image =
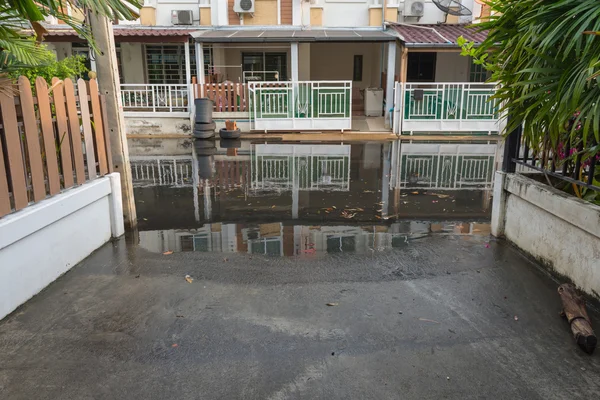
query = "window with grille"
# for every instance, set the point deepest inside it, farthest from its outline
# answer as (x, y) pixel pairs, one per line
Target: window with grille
(208, 59)
(166, 63)
(477, 73)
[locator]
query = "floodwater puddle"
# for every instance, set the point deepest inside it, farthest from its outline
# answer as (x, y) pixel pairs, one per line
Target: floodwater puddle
(295, 199)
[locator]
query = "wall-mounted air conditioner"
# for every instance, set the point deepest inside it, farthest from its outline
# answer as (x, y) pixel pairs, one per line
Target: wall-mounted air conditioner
(243, 6)
(413, 8)
(182, 17)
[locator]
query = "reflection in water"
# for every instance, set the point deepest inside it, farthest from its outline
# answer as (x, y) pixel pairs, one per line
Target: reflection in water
(277, 239)
(374, 183)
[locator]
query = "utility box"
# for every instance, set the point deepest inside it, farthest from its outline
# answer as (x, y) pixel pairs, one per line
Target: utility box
(373, 102)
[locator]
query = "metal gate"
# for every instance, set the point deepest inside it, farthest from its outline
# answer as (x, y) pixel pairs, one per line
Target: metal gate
(309, 105)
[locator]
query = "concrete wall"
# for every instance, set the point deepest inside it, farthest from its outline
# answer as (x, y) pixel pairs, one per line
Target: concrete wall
(132, 61)
(349, 13)
(176, 123)
(560, 230)
(45, 240)
(334, 61)
(164, 8)
(157, 123)
(451, 67)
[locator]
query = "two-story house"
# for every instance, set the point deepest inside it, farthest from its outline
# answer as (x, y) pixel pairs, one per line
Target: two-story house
(296, 65)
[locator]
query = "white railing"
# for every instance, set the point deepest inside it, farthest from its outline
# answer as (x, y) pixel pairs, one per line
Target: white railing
(446, 107)
(309, 105)
(443, 166)
(155, 97)
(300, 167)
(161, 171)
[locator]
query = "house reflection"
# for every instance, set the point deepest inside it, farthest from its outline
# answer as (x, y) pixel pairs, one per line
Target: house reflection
(202, 182)
(277, 239)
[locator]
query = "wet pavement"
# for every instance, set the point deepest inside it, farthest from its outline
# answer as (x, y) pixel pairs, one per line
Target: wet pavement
(423, 303)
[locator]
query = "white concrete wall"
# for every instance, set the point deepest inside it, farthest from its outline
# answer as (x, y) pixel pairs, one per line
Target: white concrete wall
(558, 229)
(335, 61)
(157, 123)
(451, 67)
(164, 8)
(132, 60)
(45, 240)
(168, 124)
(345, 13)
(62, 50)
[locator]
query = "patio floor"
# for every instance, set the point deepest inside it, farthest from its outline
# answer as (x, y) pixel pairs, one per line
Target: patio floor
(435, 319)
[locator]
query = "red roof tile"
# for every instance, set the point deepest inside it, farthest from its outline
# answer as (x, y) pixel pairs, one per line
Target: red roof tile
(64, 30)
(436, 35)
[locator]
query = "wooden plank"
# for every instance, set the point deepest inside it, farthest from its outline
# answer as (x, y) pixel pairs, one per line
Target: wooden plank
(87, 129)
(5, 207)
(230, 97)
(66, 160)
(12, 140)
(41, 90)
(106, 134)
(74, 131)
(32, 140)
(221, 99)
(98, 127)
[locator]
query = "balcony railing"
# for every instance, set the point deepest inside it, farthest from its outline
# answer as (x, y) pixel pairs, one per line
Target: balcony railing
(447, 107)
(154, 97)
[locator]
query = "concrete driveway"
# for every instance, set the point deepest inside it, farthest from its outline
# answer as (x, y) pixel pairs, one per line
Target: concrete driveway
(445, 317)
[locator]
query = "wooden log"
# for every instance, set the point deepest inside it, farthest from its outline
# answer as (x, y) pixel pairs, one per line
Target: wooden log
(575, 312)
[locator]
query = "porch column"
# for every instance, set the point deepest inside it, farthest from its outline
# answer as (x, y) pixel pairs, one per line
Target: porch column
(389, 85)
(188, 73)
(294, 60)
(200, 67)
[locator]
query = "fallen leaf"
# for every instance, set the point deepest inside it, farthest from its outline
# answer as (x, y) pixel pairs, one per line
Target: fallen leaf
(415, 192)
(334, 207)
(174, 345)
(487, 245)
(145, 219)
(443, 196)
(189, 279)
(273, 206)
(168, 253)
(332, 304)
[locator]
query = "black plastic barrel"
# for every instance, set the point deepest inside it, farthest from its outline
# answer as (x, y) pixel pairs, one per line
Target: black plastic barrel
(204, 110)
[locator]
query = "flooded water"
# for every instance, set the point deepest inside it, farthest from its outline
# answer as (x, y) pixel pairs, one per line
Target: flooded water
(296, 199)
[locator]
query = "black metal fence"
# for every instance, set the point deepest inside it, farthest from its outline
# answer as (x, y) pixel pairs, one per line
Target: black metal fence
(572, 165)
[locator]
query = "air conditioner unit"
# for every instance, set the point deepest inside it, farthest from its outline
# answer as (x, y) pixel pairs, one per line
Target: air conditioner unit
(182, 17)
(413, 8)
(243, 6)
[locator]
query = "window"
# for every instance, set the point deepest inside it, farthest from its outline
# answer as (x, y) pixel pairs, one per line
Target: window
(421, 67)
(79, 49)
(477, 73)
(358, 68)
(166, 63)
(264, 66)
(208, 60)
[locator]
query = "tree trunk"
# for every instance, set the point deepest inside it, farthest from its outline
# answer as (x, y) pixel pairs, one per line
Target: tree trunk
(575, 312)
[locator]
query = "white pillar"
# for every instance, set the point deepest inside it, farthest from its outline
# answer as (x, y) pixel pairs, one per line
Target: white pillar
(296, 13)
(188, 74)
(294, 60)
(200, 67)
(389, 85)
